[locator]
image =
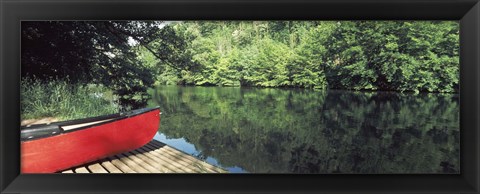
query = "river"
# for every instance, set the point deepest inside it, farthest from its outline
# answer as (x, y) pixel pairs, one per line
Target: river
(266, 130)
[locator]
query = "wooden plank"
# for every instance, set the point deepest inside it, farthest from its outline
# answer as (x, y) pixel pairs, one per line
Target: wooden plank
(97, 168)
(29, 122)
(120, 165)
(141, 162)
(193, 164)
(67, 171)
(110, 167)
(189, 159)
(185, 155)
(81, 170)
(186, 158)
(165, 165)
(169, 161)
(178, 167)
(196, 161)
(160, 153)
(146, 151)
(143, 156)
(154, 157)
(132, 164)
(168, 165)
(156, 144)
(203, 163)
(180, 160)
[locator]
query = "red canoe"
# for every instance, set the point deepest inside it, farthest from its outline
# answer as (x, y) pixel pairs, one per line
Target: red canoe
(49, 148)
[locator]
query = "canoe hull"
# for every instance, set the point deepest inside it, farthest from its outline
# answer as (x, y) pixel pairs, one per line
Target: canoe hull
(60, 152)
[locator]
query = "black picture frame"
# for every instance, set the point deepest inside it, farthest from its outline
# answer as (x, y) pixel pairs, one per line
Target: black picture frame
(14, 11)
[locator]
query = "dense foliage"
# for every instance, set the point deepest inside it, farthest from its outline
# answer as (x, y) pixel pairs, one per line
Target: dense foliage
(68, 65)
(82, 52)
(128, 57)
(420, 56)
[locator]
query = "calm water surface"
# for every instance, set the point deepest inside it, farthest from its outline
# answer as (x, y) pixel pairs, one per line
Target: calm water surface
(258, 130)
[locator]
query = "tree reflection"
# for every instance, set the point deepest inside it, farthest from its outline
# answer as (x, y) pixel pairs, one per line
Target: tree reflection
(301, 131)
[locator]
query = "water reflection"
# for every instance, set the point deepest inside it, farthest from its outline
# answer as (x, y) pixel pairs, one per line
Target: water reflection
(300, 131)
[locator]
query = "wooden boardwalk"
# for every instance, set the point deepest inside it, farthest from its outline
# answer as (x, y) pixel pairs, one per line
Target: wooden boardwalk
(154, 157)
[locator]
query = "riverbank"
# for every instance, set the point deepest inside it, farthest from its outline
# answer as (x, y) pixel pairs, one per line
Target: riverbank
(64, 101)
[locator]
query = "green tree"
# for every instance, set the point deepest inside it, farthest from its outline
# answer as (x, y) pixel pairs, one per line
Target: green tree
(403, 56)
(88, 52)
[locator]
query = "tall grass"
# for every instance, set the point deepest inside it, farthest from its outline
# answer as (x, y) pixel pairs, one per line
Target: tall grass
(64, 101)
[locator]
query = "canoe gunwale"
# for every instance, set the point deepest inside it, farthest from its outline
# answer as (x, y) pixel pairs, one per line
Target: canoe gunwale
(32, 129)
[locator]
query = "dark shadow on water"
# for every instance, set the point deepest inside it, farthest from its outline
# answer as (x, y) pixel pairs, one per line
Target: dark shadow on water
(302, 131)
